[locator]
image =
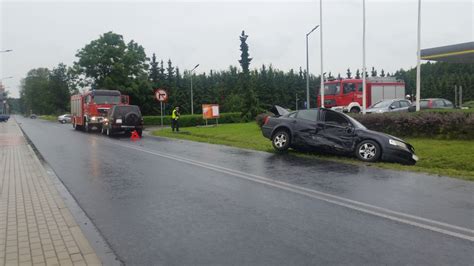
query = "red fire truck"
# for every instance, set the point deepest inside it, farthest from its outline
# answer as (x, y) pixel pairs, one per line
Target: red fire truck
(88, 109)
(346, 94)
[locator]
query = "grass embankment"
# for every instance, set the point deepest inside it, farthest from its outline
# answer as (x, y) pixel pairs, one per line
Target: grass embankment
(453, 158)
(48, 117)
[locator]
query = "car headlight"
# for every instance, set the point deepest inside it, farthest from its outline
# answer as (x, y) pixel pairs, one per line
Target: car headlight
(93, 118)
(397, 143)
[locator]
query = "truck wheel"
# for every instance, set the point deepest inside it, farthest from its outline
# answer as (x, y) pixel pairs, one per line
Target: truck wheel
(368, 151)
(281, 140)
(86, 127)
(75, 126)
(355, 110)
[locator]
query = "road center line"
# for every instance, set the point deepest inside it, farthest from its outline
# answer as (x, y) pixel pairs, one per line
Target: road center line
(417, 221)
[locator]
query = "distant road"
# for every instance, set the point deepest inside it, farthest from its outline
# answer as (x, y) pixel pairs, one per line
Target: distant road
(171, 202)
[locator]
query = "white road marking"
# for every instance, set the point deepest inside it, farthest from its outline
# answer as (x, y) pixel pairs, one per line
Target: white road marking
(340, 201)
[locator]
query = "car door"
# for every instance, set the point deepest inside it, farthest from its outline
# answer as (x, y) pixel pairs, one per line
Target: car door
(337, 132)
(304, 126)
(404, 105)
(395, 107)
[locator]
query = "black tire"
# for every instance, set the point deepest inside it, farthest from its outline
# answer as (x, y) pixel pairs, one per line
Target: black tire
(131, 118)
(281, 140)
(368, 151)
(355, 110)
(75, 126)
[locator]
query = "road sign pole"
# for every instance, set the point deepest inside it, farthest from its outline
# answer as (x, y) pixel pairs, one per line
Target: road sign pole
(161, 106)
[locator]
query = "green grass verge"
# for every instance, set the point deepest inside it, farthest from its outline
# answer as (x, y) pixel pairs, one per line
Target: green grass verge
(453, 158)
(48, 117)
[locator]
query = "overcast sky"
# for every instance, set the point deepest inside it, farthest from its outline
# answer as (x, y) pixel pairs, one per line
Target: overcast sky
(43, 34)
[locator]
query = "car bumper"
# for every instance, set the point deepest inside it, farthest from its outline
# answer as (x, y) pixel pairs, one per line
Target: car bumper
(398, 155)
(267, 132)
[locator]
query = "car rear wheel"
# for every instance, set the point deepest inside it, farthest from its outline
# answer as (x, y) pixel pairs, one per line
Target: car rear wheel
(281, 140)
(368, 151)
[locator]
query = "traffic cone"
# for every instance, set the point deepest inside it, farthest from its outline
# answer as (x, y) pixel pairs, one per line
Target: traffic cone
(134, 136)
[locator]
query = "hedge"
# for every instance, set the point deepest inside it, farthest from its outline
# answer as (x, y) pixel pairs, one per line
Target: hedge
(448, 125)
(194, 120)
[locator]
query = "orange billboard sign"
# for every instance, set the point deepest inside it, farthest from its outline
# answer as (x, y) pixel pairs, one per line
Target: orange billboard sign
(210, 111)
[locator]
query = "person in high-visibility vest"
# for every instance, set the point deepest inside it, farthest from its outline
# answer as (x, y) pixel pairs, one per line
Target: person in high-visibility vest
(175, 119)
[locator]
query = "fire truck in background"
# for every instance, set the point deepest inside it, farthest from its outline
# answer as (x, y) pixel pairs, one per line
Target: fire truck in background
(89, 109)
(346, 94)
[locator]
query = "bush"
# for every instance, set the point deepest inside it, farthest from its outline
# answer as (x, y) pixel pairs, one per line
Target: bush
(193, 120)
(448, 125)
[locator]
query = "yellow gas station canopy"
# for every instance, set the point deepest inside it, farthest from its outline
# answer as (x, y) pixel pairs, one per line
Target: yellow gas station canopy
(456, 53)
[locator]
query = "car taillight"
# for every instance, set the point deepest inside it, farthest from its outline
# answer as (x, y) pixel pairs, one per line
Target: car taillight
(265, 120)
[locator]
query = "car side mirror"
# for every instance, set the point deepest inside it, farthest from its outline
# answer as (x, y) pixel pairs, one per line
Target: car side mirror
(392, 107)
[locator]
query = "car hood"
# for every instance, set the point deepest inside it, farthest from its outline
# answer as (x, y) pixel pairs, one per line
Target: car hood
(384, 135)
(279, 111)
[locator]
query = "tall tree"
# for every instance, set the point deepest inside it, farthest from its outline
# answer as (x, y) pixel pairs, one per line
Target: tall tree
(382, 73)
(154, 71)
(110, 63)
(244, 56)
(250, 104)
(349, 73)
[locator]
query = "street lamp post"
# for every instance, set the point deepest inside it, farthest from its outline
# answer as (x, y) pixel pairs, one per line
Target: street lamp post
(307, 67)
(192, 99)
(418, 67)
(321, 89)
(364, 92)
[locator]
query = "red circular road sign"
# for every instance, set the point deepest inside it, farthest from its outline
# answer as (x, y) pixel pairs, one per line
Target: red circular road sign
(161, 95)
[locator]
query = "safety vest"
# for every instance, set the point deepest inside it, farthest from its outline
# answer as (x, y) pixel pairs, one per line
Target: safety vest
(174, 116)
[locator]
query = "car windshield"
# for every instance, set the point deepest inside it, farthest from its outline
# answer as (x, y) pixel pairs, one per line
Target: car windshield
(382, 104)
(106, 99)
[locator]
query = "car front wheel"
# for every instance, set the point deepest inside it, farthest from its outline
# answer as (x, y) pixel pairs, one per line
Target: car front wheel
(368, 151)
(281, 140)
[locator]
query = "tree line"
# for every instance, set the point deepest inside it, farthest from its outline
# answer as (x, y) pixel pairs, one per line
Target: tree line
(110, 63)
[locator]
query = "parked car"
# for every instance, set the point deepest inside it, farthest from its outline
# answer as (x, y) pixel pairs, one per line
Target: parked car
(432, 103)
(63, 119)
(395, 105)
(4, 118)
(33, 116)
(122, 119)
(334, 132)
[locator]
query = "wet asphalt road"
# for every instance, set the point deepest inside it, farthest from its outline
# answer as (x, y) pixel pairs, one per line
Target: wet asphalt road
(167, 202)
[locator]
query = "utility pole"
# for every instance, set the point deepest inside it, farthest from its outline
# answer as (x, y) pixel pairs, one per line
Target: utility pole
(192, 98)
(364, 91)
(418, 58)
(321, 40)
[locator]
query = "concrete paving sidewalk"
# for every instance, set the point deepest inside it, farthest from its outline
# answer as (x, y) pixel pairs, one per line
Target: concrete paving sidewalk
(36, 227)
